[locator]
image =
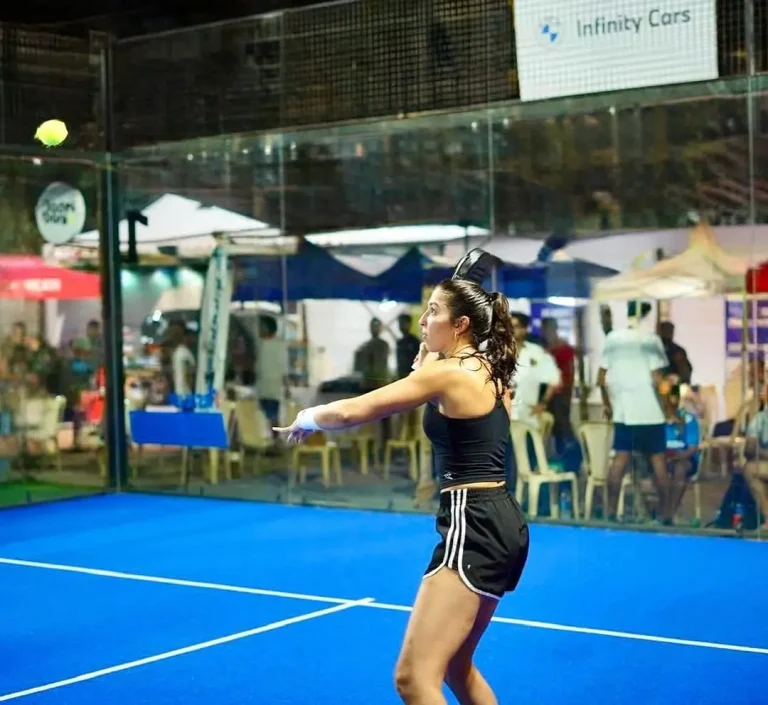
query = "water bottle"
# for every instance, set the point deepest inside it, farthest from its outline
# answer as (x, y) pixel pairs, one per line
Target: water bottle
(738, 519)
(566, 511)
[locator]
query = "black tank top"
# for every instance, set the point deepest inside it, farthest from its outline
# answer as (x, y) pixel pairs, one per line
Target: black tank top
(468, 450)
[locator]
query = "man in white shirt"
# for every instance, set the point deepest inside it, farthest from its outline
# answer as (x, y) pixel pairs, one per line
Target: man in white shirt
(629, 379)
(182, 360)
(535, 368)
(271, 369)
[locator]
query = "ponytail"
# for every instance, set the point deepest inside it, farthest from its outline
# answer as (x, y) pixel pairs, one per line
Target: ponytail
(490, 327)
(501, 349)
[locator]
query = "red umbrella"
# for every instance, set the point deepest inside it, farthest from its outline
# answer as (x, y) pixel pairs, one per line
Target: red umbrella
(29, 277)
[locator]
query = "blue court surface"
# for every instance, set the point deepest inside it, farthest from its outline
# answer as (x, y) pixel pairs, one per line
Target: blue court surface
(147, 599)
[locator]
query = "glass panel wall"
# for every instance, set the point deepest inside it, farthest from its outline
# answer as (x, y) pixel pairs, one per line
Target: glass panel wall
(51, 362)
(619, 182)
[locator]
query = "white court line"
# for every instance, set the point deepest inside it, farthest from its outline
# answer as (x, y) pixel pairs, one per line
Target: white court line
(186, 650)
(171, 581)
(601, 632)
(385, 606)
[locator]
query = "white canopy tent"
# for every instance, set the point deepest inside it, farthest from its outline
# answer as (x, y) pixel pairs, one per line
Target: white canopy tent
(694, 282)
(703, 269)
(173, 221)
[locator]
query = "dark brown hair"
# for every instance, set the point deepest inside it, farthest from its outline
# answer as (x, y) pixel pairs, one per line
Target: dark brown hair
(489, 323)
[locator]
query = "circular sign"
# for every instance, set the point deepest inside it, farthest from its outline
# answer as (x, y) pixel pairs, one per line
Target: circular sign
(60, 213)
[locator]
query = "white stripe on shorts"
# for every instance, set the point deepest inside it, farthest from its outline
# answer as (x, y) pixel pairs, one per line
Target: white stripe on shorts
(454, 542)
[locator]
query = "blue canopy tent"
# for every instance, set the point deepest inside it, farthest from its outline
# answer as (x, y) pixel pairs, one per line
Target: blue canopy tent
(539, 280)
(544, 280)
(312, 273)
(405, 279)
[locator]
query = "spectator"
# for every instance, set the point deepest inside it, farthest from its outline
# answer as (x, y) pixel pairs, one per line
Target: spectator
(372, 359)
(683, 439)
(14, 353)
(535, 367)
(756, 456)
(407, 347)
(182, 359)
(93, 333)
(45, 365)
(271, 369)
(560, 404)
(77, 377)
(679, 365)
(629, 379)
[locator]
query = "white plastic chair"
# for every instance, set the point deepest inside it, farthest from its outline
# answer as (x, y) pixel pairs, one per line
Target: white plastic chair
(596, 439)
(408, 440)
(326, 450)
(253, 430)
(543, 475)
(365, 443)
(42, 418)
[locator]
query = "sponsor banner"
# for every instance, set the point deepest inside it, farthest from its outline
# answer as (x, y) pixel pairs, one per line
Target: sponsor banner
(576, 47)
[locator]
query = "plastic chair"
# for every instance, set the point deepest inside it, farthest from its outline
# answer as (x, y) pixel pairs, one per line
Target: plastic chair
(543, 475)
(365, 443)
(731, 443)
(407, 440)
(330, 458)
(253, 433)
(42, 419)
(546, 426)
(595, 439)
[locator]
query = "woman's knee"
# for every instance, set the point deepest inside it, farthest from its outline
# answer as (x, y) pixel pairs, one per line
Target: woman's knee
(406, 677)
(412, 680)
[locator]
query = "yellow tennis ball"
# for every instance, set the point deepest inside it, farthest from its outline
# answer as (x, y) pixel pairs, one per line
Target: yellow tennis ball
(51, 133)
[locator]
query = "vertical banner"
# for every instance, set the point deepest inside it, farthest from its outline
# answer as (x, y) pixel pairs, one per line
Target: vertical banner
(214, 324)
(757, 327)
(576, 47)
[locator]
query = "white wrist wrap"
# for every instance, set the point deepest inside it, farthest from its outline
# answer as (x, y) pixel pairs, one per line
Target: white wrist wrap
(306, 419)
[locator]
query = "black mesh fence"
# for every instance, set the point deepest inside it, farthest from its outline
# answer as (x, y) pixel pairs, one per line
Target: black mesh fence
(343, 61)
(44, 76)
(327, 63)
(365, 59)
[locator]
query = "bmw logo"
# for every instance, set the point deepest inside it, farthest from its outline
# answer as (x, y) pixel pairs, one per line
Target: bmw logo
(549, 33)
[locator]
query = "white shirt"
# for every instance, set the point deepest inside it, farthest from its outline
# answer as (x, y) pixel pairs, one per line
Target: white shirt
(181, 359)
(535, 366)
(271, 368)
(630, 356)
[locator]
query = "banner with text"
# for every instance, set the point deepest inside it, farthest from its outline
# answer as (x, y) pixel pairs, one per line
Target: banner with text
(757, 327)
(575, 47)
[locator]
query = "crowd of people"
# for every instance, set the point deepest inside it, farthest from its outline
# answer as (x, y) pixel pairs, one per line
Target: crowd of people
(32, 368)
(656, 415)
(659, 421)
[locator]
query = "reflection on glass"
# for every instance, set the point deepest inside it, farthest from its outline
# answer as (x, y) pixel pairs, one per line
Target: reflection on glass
(51, 362)
(620, 181)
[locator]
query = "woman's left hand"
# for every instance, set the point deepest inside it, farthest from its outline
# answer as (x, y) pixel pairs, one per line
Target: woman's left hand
(292, 433)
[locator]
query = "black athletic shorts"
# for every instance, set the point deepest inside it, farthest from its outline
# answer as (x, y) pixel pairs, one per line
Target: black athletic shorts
(484, 538)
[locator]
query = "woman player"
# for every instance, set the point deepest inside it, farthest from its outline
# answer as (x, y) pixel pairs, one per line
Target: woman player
(484, 537)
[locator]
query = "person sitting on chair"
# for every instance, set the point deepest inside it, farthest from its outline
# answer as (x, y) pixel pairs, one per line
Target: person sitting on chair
(756, 456)
(683, 439)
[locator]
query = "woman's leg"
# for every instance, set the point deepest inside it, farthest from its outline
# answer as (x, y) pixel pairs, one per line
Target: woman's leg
(462, 677)
(443, 620)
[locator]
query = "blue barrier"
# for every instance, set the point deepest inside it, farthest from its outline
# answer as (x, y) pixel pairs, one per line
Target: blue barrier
(190, 429)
